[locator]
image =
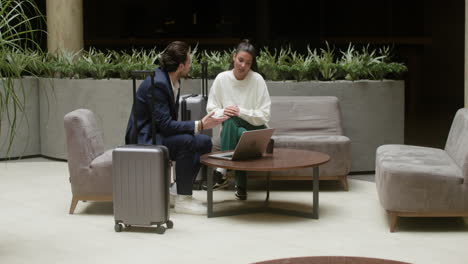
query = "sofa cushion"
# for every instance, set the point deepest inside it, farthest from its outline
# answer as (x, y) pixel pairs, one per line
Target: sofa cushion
(99, 181)
(418, 179)
(417, 161)
(337, 147)
(305, 116)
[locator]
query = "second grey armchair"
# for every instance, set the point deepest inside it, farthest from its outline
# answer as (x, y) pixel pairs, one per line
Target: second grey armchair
(90, 167)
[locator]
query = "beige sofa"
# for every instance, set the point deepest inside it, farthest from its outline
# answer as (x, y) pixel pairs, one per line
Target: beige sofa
(310, 123)
(417, 181)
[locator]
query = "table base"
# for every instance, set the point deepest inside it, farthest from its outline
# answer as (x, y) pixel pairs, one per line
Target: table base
(265, 208)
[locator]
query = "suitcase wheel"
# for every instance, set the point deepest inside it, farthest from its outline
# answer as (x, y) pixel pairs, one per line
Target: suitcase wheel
(118, 227)
(169, 224)
(160, 229)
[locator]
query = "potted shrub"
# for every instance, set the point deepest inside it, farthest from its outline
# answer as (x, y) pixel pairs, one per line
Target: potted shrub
(17, 38)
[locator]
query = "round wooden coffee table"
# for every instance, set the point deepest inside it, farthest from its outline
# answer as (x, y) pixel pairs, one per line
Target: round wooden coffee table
(330, 260)
(281, 159)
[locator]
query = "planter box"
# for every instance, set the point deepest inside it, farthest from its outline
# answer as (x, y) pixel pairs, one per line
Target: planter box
(373, 111)
(110, 100)
(27, 139)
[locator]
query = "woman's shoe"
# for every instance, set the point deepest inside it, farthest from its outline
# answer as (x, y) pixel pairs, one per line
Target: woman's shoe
(219, 181)
(241, 193)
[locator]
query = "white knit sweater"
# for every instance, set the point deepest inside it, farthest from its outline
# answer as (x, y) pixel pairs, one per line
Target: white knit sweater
(250, 95)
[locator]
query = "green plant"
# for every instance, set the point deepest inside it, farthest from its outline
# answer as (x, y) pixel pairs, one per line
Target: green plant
(351, 64)
(218, 61)
(17, 33)
(96, 63)
(124, 63)
(13, 65)
(386, 69)
(326, 63)
(267, 64)
(284, 64)
(396, 70)
(36, 66)
(16, 26)
(303, 67)
(63, 64)
(148, 59)
(195, 68)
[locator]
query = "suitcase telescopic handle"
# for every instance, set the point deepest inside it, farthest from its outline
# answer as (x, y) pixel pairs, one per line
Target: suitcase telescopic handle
(204, 79)
(134, 75)
(135, 136)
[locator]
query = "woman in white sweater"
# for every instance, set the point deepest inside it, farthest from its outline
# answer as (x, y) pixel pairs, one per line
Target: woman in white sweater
(242, 95)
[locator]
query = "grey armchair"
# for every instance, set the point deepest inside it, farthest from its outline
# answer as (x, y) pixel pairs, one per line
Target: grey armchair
(417, 181)
(89, 166)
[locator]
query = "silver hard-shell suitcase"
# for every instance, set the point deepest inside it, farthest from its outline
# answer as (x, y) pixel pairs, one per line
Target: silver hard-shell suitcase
(141, 178)
(193, 107)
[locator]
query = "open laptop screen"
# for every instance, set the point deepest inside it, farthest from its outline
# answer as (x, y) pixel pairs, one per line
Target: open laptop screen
(252, 144)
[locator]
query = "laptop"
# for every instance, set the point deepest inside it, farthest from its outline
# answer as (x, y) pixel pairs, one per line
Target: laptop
(252, 144)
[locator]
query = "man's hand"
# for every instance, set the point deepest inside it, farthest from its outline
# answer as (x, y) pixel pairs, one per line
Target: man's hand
(209, 121)
(232, 111)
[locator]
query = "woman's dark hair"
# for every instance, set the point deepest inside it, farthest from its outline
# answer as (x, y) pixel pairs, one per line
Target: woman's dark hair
(174, 54)
(246, 46)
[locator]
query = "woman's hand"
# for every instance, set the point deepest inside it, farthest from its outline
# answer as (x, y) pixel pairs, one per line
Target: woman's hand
(232, 111)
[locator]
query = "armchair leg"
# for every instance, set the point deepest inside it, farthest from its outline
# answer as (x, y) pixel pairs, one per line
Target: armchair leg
(344, 182)
(393, 221)
(74, 202)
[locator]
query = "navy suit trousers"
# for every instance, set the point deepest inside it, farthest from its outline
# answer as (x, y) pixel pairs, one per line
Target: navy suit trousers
(185, 150)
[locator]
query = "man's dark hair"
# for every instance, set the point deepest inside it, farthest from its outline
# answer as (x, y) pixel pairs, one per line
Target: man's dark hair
(174, 54)
(246, 46)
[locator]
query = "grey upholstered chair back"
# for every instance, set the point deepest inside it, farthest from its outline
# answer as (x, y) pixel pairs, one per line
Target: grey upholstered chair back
(84, 141)
(89, 166)
(305, 115)
(457, 141)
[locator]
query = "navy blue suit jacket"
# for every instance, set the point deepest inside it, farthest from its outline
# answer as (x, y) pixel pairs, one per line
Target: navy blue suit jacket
(165, 112)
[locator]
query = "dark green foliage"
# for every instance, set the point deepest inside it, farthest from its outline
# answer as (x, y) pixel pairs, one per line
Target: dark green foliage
(276, 65)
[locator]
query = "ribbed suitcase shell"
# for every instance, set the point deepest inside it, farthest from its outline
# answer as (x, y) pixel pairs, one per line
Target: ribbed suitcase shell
(193, 107)
(141, 178)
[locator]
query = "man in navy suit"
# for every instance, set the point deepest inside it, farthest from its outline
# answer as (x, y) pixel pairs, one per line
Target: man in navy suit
(182, 138)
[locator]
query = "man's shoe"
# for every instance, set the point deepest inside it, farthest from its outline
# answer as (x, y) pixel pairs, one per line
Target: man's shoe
(220, 182)
(186, 204)
(241, 193)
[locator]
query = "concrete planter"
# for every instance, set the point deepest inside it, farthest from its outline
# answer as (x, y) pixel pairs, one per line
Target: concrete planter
(27, 139)
(110, 100)
(373, 111)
